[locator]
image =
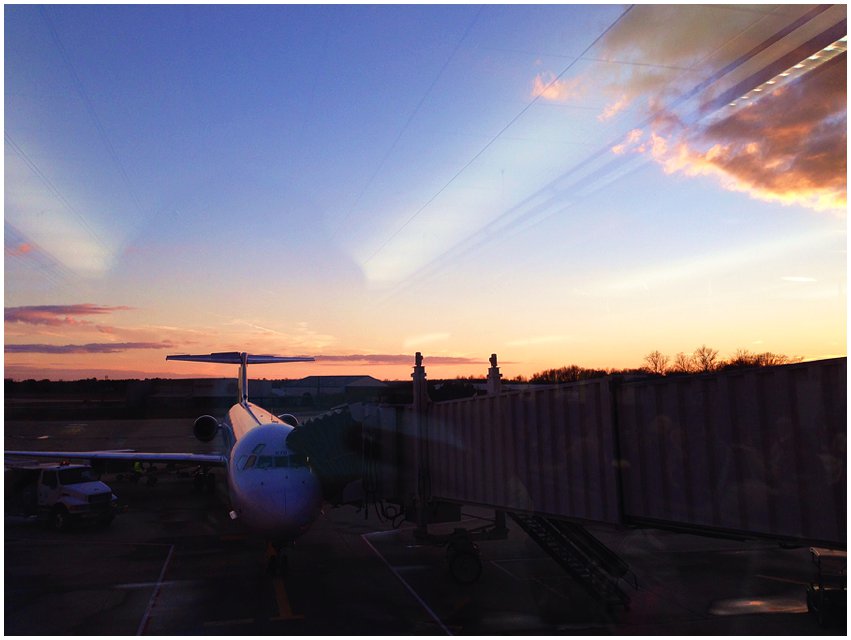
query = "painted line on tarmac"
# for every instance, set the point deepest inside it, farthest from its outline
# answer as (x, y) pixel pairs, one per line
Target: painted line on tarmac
(152, 601)
(285, 611)
(779, 579)
(227, 623)
(410, 589)
(498, 565)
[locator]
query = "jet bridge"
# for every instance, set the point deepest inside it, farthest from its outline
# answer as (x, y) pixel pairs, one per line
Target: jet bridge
(740, 453)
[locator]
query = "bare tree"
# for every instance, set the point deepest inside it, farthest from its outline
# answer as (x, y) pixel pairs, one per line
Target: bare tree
(745, 358)
(657, 362)
(683, 363)
(570, 373)
(705, 359)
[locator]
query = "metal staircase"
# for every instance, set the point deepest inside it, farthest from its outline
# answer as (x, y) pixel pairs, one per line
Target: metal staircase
(585, 558)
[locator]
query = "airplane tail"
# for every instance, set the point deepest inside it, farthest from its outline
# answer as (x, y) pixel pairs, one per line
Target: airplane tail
(243, 360)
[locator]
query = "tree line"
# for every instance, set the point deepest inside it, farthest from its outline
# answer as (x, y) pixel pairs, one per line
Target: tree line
(702, 360)
(705, 359)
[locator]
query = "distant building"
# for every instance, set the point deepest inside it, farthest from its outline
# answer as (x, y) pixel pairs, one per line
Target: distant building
(351, 388)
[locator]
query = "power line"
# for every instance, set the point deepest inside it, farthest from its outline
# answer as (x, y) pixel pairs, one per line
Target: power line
(498, 135)
(81, 91)
(52, 188)
(409, 120)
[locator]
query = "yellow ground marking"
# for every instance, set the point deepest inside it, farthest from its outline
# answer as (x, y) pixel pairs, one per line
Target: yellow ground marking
(284, 609)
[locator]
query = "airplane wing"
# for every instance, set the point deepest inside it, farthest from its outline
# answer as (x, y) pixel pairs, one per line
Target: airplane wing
(211, 459)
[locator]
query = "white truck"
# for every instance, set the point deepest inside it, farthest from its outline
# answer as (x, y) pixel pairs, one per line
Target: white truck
(58, 492)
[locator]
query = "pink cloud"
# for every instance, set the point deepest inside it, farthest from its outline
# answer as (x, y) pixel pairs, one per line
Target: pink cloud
(56, 315)
(548, 87)
(98, 347)
(789, 146)
(20, 249)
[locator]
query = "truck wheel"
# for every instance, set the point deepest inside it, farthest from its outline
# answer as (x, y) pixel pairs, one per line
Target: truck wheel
(105, 521)
(60, 519)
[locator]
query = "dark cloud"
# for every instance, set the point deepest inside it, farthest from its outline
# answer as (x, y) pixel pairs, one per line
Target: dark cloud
(407, 358)
(96, 347)
(788, 146)
(56, 315)
(793, 141)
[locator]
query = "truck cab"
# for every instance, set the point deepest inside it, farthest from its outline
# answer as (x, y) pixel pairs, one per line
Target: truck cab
(60, 493)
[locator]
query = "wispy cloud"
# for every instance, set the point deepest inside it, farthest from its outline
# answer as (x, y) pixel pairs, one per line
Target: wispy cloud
(614, 108)
(97, 347)
(428, 338)
(56, 315)
(548, 87)
(537, 340)
(301, 336)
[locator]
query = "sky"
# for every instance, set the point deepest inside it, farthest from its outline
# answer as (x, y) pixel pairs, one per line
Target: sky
(557, 184)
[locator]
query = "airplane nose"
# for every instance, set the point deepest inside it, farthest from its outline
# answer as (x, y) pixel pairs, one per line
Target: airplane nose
(277, 504)
(304, 499)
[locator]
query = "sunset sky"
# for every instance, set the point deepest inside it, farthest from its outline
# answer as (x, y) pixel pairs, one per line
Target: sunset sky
(554, 184)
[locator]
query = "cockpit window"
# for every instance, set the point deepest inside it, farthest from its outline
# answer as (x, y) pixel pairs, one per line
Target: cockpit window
(292, 461)
(297, 460)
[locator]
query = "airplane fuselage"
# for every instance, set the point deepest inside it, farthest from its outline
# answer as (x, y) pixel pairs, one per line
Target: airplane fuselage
(272, 488)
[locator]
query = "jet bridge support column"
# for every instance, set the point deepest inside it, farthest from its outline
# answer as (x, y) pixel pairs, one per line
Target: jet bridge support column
(494, 389)
(494, 378)
(421, 428)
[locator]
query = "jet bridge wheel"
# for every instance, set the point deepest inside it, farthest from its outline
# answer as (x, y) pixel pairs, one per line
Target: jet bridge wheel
(463, 556)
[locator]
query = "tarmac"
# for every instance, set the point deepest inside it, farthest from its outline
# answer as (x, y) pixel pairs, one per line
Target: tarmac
(173, 563)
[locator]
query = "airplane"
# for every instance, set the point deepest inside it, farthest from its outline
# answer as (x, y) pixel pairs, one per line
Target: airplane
(273, 489)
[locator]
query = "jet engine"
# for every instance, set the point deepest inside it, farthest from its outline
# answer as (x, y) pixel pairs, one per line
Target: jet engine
(289, 418)
(205, 428)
